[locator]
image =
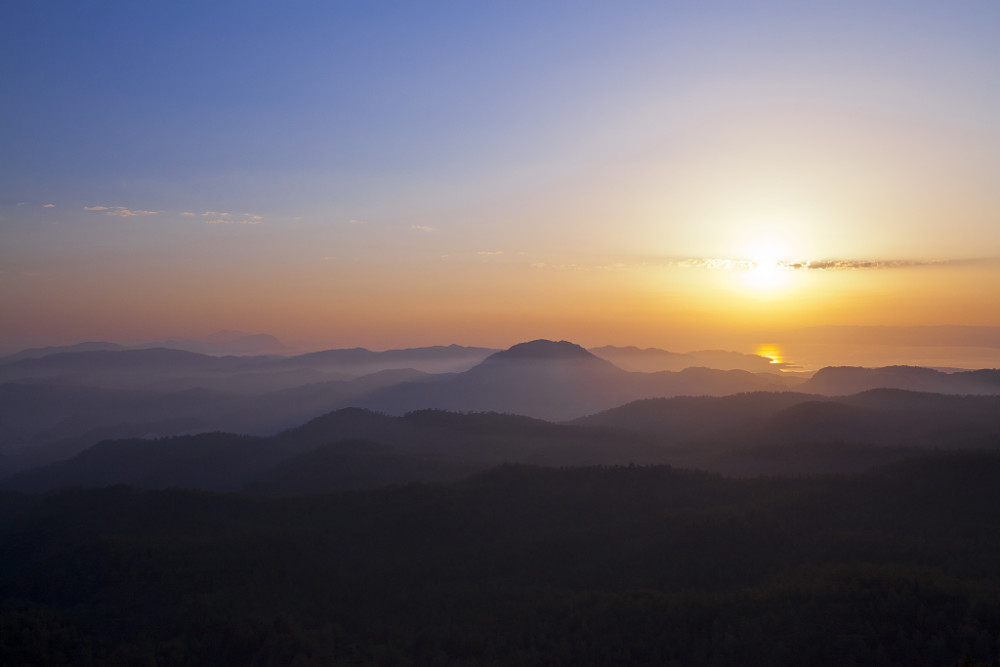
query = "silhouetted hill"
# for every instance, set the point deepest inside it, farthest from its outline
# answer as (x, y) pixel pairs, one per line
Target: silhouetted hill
(744, 434)
(541, 350)
(697, 417)
(42, 423)
(555, 381)
(37, 352)
(885, 417)
(442, 443)
(843, 380)
(220, 461)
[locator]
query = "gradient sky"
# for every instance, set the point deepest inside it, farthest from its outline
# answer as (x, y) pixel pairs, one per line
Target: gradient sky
(388, 174)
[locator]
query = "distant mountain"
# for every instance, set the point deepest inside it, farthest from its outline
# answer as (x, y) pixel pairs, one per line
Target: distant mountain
(362, 361)
(555, 381)
(170, 369)
(842, 380)
(226, 343)
(43, 422)
(650, 360)
(36, 352)
(349, 448)
(743, 434)
(219, 343)
(698, 417)
(884, 417)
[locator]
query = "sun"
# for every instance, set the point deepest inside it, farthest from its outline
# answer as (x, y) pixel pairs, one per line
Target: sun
(765, 269)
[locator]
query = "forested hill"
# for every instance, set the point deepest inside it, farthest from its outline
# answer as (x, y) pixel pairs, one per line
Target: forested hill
(517, 565)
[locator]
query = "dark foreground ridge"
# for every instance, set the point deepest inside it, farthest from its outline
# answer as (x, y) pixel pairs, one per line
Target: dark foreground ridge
(517, 565)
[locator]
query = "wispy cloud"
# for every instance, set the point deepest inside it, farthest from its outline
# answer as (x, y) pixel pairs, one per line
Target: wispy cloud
(224, 218)
(815, 265)
(422, 228)
(357, 222)
(189, 214)
(48, 205)
(128, 213)
(120, 211)
(490, 252)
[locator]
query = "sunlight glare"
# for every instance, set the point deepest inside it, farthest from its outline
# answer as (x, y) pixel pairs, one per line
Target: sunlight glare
(770, 351)
(766, 271)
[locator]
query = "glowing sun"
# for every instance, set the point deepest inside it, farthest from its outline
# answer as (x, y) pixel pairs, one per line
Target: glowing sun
(766, 270)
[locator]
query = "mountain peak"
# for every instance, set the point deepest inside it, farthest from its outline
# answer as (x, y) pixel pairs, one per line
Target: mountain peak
(539, 350)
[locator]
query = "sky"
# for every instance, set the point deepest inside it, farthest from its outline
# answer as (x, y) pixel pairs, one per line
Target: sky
(391, 174)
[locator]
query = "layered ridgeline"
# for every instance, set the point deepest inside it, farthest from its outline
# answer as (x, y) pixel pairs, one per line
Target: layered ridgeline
(743, 434)
(55, 405)
(58, 404)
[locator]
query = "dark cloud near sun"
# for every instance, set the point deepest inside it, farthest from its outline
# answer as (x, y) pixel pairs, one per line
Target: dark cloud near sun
(823, 264)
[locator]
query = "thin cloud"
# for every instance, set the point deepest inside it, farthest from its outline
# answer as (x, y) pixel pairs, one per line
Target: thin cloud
(189, 213)
(217, 214)
(128, 213)
(422, 228)
(218, 221)
(490, 252)
(95, 208)
(48, 205)
(256, 220)
(722, 263)
(357, 222)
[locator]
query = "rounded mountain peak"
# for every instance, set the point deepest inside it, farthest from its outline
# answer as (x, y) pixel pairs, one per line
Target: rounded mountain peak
(539, 350)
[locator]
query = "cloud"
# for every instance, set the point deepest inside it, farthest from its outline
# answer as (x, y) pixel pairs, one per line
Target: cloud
(48, 205)
(357, 222)
(127, 213)
(490, 252)
(816, 265)
(189, 213)
(95, 208)
(422, 228)
(226, 218)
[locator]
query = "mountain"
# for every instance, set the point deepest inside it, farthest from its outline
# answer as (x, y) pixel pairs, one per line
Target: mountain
(362, 361)
(36, 352)
(843, 380)
(651, 360)
(219, 343)
(697, 417)
(745, 434)
(555, 381)
(347, 448)
(883, 417)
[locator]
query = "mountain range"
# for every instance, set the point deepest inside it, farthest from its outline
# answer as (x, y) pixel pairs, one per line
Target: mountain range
(55, 406)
